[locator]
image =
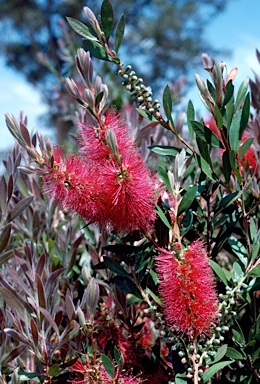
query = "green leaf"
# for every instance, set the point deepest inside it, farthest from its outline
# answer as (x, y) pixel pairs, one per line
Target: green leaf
(165, 150)
(242, 91)
(96, 50)
(214, 369)
(218, 116)
(54, 370)
(245, 146)
(238, 334)
(226, 166)
(81, 29)
(245, 114)
(228, 200)
(238, 270)
(220, 353)
(145, 114)
(239, 250)
(211, 89)
(133, 288)
(234, 132)
(162, 173)
(255, 271)
(25, 376)
(205, 134)
(187, 222)
(180, 378)
(167, 102)
(190, 118)
(234, 165)
(108, 365)
(204, 166)
(118, 358)
(229, 112)
(204, 151)
(115, 266)
(155, 297)
(229, 93)
(253, 230)
(120, 30)
(99, 98)
(162, 216)
(107, 18)
(188, 199)
(234, 354)
(219, 271)
(18, 208)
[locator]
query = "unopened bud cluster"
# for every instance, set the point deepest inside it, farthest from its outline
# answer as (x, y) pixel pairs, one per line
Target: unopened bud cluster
(139, 91)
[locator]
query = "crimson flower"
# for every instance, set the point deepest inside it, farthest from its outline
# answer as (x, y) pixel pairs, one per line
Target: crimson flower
(128, 193)
(73, 184)
(93, 141)
(250, 156)
(187, 289)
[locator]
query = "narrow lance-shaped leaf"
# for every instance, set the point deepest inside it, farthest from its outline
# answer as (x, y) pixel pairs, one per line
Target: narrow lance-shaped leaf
(3, 193)
(229, 93)
(205, 134)
(54, 370)
(108, 365)
(7, 358)
(120, 30)
(70, 308)
(219, 271)
(115, 266)
(245, 146)
(187, 199)
(234, 132)
(96, 49)
(81, 29)
(165, 150)
(242, 91)
(214, 369)
(40, 291)
(190, 118)
(25, 134)
(107, 18)
(19, 208)
(162, 216)
(167, 105)
(4, 237)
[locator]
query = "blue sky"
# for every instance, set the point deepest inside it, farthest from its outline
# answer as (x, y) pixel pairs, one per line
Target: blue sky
(237, 29)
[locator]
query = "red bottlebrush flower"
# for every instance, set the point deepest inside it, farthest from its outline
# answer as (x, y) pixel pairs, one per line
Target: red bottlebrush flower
(250, 156)
(93, 138)
(128, 194)
(74, 185)
(187, 289)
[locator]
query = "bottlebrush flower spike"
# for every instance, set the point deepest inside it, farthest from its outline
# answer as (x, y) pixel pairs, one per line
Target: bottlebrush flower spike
(187, 289)
(74, 185)
(128, 194)
(93, 138)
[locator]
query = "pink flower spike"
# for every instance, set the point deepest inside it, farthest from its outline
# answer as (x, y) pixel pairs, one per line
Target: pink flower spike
(128, 194)
(74, 185)
(93, 138)
(187, 289)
